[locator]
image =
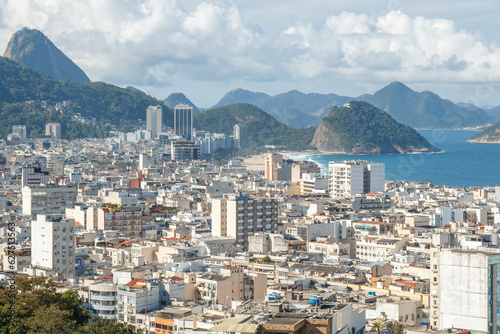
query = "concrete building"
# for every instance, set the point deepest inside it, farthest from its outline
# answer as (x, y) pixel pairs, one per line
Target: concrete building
(183, 121)
(468, 293)
(271, 167)
(34, 176)
(240, 134)
(55, 162)
(313, 183)
(103, 298)
(183, 150)
(53, 130)
(154, 120)
(53, 238)
(242, 216)
(19, 131)
(48, 199)
(347, 179)
(138, 296)
(127, 220)
(378, 248)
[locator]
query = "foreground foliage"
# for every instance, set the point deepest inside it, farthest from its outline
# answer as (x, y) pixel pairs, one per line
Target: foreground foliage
(40, 309)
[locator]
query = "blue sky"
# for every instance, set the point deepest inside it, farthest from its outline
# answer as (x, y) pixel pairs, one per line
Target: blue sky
(206, 48)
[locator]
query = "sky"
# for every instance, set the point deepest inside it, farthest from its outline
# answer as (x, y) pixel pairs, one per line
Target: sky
(206, 48)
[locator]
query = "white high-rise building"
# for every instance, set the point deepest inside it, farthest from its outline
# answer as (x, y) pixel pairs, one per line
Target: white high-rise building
(154, 120)
(346, 179)
(242, 216)
(53, 130)
(240, 134)
(53, 244)
(183, 121)
(468, 290)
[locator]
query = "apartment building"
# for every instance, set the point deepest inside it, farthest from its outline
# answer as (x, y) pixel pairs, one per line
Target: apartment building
(468, 291)
(136, 297)
(48, 200)
(378, 248)
(34, 176)
(53, 244)
(127, 220)
(242, 216)
(347, 179)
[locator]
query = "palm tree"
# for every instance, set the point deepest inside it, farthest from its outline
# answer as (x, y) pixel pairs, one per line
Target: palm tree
(378, 325)
(397, 329)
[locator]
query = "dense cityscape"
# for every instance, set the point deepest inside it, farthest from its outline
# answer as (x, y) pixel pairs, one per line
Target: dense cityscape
(151, 236)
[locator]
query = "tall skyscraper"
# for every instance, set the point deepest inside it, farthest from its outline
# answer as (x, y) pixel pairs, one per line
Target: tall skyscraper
(53, 130)
(348, 178)
(183, 121)
(154, 120)
(240, 134)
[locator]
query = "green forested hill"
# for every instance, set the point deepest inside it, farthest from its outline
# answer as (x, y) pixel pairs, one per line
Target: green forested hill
(359, 127)
(490, 135)
(263, 129)
(104, 102)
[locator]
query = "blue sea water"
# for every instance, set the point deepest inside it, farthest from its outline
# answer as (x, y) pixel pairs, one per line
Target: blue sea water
(460, 164)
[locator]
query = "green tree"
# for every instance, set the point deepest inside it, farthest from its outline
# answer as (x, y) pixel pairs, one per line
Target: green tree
(378, 325)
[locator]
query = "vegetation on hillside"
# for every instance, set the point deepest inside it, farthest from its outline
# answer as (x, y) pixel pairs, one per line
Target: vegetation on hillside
(36, 307)
(263, 129)
(96, 100)
(362, 124)
(490, 134)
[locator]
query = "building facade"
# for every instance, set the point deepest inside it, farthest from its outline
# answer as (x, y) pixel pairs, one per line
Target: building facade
(242, 216)
(183, 121)
(347, 179)
(53, 242)
(154, 120)
(240, 134)
(48, 200)
(53, 130)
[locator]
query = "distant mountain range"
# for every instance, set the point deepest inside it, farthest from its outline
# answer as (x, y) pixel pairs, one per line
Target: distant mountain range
(35, 50)
(294, 108)
(423, 110)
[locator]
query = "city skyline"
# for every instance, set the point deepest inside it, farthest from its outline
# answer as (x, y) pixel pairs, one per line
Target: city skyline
(205, 49)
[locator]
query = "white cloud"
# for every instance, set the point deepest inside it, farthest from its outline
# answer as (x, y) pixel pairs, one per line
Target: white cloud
(162, 42)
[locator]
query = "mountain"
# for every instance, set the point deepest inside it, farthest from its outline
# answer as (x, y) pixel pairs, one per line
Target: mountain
(424, 110)
(361, 128)
(23, 89)
(175, 98)
(241, 96)
(263, 129)
(489, 136)
(494, 112)
(34, 49)
(294, 108)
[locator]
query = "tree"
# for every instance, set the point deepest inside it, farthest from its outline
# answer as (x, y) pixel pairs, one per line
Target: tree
(397, 329)
(378, 325)
(108, 326)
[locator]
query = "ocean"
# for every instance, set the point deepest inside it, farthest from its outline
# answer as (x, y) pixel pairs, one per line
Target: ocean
(460, 164)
